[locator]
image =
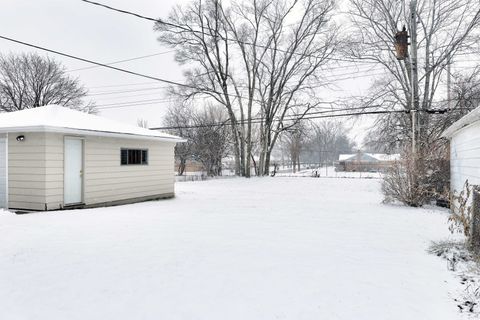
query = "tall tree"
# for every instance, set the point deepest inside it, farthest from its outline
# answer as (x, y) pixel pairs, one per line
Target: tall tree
(29, 80)
(446, 28)
(255, 58)
(202, 41)
(289, 74)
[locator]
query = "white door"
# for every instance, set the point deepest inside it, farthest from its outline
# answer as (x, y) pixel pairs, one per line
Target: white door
(3, 173)
(73, 171)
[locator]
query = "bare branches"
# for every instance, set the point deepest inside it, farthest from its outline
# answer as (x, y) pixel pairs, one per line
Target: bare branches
(30, 80)
(446, 28)
(250, 58)
(205, 144)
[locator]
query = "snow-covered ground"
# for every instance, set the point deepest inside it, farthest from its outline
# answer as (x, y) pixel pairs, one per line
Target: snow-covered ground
(272, 248)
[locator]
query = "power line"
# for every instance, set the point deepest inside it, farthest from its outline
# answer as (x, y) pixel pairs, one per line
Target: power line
(160, 21)
(125, 60)
(125, 91)
(226, 123)
(130, 103)
(123, 85)
(312, 84)
(332, 80)
(118, 69)
(97, 63)
(295, 117)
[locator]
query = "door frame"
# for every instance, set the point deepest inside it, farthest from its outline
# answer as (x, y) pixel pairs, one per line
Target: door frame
(5, 136)
(82, 196)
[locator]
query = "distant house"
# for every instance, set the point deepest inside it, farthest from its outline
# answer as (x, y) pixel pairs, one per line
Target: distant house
(365, 162)
(191, 166)
(54, 157)
(464, 136)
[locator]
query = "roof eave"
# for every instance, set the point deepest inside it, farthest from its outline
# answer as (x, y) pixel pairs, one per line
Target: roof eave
(467, 120)
(172, 139)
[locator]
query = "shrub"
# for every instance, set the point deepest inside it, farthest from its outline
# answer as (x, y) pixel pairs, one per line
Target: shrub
(406, 181)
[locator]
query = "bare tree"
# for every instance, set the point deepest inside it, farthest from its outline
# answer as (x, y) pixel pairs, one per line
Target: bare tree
(202, 41)
(289, 75)
(207, 141)
(446, 28)
(327, 139)
(211, 140)
(180, 119)
(29, 80)
(255, 58)
(294, 140)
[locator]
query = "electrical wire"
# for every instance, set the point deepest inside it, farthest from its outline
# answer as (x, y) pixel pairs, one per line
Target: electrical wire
(125, 60)
(160, 21)
(120, 69)
(226, 123)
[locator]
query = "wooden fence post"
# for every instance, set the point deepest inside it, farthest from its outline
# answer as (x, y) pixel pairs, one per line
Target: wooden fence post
(475, 232)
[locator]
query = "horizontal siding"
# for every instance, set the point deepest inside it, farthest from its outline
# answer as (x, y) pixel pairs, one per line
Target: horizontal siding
(125, 174)
(26, 205)
(35, 163)
(33, 156)
(36, 171)
(105, 180)
(33, 191)
(157, 169)
(54, 143)
(26, 171)
(130, 195)
(465, 157)
(91, 184)
(39, 199)
(27, 177)
(34, 150)
(3, 171)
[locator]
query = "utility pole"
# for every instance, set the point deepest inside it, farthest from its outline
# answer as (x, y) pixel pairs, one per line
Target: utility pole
(449, 82)
(414, 78)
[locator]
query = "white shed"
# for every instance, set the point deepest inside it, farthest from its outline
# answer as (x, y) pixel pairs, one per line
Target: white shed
(464, 136)
(54, 157)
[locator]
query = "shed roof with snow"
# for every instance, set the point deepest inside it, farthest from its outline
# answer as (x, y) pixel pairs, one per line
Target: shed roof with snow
(470, 118)
(55, 118)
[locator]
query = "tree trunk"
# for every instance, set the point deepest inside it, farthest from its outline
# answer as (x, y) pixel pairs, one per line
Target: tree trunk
(267, 163)
(181, 167)
(255, 166)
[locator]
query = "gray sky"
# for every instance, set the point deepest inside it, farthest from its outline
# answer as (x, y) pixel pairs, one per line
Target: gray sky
(105, 36)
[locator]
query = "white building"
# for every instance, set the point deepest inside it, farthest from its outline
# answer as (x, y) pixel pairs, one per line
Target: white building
(54, 157)
(464, 136)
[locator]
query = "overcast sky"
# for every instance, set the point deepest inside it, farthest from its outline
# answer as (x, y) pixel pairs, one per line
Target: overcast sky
(91, 32)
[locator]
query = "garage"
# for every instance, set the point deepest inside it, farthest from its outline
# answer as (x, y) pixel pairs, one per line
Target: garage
(59, 158)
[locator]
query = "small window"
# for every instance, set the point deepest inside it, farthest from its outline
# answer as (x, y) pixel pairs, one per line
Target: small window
(133, 156)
